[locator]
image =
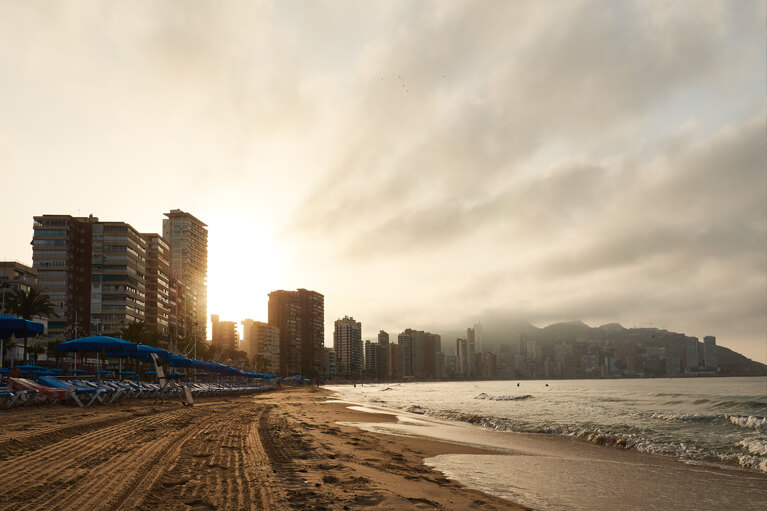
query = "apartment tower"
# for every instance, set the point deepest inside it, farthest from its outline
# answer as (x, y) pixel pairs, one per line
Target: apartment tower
(158, 309)
(61, 256)
(187, 238)
(347, 344)
(300, 317)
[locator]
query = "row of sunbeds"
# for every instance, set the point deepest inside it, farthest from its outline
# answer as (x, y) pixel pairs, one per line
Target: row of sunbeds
(49, 389)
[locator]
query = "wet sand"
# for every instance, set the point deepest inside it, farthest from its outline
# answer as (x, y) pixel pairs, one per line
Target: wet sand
(282, 450)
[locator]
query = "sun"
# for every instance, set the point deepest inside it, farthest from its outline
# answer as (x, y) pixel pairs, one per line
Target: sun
(243, 267)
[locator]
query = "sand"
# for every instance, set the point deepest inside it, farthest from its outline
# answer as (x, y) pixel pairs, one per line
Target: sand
(281, 450)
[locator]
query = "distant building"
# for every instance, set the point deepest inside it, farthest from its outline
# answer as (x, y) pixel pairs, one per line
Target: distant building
(471, 350)
(709, 352)
(328, 364)
(261, 342)
(157, 308)
(690, 354)
(347, 344)
(383, 355)
(300, 316)
(14, 275)
(177, 319)
(395, 362)
(407, 350)
(478, 337)
(371, 358)
(187, 239)
(224, 334)
(461, 352)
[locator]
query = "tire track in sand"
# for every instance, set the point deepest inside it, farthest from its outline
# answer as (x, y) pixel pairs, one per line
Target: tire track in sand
(86, 468)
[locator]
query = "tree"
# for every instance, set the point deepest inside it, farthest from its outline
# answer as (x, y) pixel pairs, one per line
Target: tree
(138, 332)
(28, 305)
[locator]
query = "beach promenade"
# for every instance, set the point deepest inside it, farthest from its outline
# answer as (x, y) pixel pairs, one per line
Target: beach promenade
(281, 450)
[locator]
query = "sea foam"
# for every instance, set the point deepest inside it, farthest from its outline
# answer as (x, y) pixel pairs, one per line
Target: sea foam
(503, 398)
(750, 421)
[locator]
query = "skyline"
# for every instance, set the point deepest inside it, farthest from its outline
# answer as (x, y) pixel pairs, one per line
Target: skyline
(424, 167)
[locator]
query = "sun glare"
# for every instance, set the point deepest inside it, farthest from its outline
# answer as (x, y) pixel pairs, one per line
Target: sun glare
(243, 267)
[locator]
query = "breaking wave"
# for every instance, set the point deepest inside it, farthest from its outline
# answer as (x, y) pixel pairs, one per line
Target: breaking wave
(754, 446)
(671, 416)
(502, 398)
(750, 421)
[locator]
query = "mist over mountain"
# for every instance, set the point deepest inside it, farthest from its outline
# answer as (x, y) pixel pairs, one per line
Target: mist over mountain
(507, 332)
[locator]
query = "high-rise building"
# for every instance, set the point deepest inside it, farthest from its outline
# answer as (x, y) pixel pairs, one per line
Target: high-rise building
(61, 256)
(407, 350)
(312, 331)
(328, 364)
(300, 316)
(224, 333)
(261, 342)
(709, 352)
(478, 337)
(187, 238)
(118, 281)
(158, 309)
(371, 358)
(347, 344)
(395, 362)
(690, 354)
(176, 318)
(471, 350)
(462, 361)
(382, 369)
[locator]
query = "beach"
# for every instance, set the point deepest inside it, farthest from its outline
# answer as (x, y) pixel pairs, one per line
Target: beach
(280, 450)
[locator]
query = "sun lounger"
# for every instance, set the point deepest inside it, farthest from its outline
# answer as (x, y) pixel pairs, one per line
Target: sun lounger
(46, 393)
(81, 396)
(9, 398)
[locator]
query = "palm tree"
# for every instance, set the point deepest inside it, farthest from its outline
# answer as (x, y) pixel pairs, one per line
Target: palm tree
(28, 305)
(135, 332)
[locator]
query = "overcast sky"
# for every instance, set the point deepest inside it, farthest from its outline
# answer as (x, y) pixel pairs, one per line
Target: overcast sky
(422, 164)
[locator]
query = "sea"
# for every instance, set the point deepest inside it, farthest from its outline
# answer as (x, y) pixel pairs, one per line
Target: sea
(717, 424)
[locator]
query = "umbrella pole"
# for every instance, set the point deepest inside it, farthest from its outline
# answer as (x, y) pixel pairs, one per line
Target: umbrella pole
(98, 374)
(2, 342)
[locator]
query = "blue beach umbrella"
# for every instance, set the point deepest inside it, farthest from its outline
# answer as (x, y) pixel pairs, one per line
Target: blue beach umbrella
(77, 371)
(128, 373)
(104, 371)
(18, 327)
(98, 343)
(175, 373)
(150, 372)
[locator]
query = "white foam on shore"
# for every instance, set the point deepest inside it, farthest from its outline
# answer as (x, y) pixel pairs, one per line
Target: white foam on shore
(754, 446)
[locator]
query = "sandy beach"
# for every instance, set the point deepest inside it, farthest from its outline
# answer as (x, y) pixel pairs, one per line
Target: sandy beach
(281, 450)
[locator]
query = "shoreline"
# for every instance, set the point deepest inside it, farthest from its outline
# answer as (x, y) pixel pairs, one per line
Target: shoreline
(545, 471)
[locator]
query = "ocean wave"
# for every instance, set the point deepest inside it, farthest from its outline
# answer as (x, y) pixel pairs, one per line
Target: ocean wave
(671, 416)
(750, 421)
(754, 446)
(502, 398)
(753, 463)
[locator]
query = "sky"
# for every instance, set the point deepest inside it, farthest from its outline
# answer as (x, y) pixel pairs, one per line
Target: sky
(424, 165)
